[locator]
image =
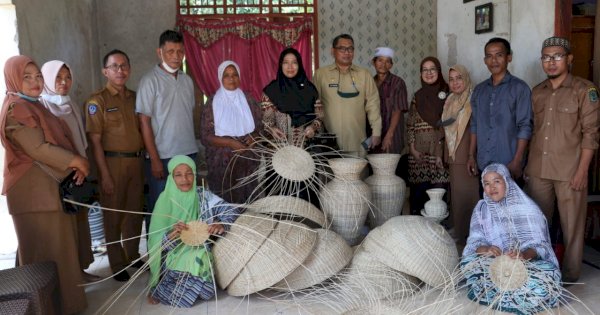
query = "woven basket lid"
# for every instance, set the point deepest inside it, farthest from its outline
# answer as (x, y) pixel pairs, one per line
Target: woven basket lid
(290, 206)
(330, 255)
(286, 248)
(293, 163)
(375, 280)
(234, 250)
(507, 273)
(416, 246)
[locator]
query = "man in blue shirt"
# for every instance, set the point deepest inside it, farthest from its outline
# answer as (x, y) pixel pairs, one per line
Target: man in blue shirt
(501, 122)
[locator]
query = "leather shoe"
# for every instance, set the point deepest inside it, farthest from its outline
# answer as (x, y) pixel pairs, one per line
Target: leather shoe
(121, 276)
(138, 264)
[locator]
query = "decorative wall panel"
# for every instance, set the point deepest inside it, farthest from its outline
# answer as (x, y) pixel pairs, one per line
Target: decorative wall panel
(407, 26)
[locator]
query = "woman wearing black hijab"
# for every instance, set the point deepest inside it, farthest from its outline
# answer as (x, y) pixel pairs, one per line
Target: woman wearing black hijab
(290, 104)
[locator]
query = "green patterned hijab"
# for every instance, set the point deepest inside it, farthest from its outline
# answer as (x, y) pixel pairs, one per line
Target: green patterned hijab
(174, 205)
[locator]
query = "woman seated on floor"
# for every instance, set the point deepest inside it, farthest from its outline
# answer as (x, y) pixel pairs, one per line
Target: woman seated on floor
(180, 274)
(508, 223)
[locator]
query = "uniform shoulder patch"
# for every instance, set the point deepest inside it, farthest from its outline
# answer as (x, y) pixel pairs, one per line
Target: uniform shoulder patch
(92, 108)
(593, 94)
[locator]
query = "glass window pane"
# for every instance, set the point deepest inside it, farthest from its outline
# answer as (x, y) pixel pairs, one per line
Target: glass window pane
(276, 10)
(220, 10)
(265, 10)
(265, 2)
(183, 11)
(219, 2)
(229, 2)
(183, 3)
(207, 11)
(310, 10)
(229, 10)
(275, 1)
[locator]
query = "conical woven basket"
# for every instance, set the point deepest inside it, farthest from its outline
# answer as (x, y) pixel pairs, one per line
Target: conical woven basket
(288, 205)
(285, 249)
(345, 199)
(389, 190)
(330, 255)
(416, 246)
(234, 250)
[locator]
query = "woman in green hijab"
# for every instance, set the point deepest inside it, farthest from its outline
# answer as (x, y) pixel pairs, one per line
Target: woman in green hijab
(180, 274)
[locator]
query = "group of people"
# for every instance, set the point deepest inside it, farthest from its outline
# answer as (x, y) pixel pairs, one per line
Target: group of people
(454, 132)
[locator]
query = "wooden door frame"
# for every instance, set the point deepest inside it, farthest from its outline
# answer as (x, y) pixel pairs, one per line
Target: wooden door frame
(562, 27)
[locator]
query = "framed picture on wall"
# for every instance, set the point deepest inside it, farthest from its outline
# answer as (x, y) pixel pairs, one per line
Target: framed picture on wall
(484, 18)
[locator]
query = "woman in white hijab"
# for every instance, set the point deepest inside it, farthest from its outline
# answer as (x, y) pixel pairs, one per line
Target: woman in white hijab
(230, 123)
(58, 79)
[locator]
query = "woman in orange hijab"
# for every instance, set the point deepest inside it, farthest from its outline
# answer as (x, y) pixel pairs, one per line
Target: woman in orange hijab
(39, 154)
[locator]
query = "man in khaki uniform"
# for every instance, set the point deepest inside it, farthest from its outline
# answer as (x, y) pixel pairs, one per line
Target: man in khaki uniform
(113, 129)
(347, 92)
(565, 109)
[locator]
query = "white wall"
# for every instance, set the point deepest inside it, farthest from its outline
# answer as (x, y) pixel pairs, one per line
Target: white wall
(525, 23)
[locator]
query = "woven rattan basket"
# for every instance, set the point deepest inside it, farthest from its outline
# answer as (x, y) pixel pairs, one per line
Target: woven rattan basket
(286, 248)
(232, 252)
(416, 246)
(330, 255)
(287, 207)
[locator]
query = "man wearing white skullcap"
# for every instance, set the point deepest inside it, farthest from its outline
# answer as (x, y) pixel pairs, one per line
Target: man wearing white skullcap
(393, 102)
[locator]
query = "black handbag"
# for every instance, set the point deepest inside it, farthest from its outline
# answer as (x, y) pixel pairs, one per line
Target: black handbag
(68, 189)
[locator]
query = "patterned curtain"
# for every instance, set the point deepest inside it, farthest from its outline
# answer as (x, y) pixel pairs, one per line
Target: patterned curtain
(253, 43)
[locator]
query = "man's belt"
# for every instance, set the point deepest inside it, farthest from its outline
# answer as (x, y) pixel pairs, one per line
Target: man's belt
(123, 154)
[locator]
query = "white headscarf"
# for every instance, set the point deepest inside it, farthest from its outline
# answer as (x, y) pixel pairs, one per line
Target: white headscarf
(63, 107)
(230, 108)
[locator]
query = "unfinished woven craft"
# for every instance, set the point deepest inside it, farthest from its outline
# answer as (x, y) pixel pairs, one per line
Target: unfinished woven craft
(389, 190)
(374, 280)
(286, 248)
(416, 246)
(293, 163)
(288, 207)
(345, 199)
(232, 252)
(330, 255)
(196, 233)
(507, 273)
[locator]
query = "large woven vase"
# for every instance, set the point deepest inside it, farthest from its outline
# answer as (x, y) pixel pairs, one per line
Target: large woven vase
(345, 199)
(388, 189)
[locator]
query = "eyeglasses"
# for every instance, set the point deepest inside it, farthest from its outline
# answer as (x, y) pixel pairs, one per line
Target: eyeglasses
(347, 94)
(345, 49)
(548, 58)
(116, 67)
(430, 71)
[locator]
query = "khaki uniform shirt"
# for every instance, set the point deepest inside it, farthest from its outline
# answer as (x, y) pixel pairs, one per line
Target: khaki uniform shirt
(346, 116)
(565, 121)
(113, 115)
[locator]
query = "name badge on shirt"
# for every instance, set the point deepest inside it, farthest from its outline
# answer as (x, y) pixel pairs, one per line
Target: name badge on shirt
(113, 109)
(333, 85)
